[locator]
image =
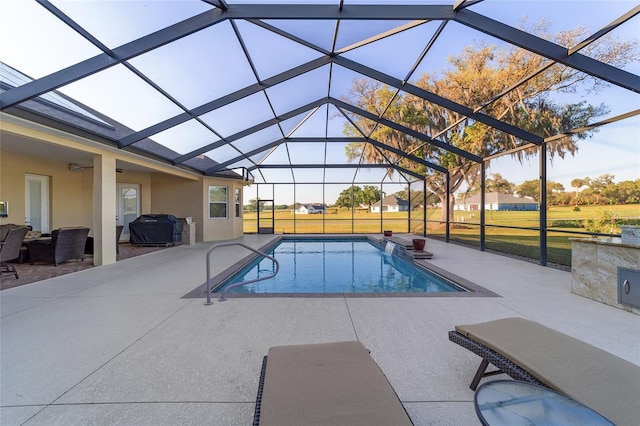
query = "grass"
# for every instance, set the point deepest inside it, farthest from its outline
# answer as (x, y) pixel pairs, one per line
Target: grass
(505, 232)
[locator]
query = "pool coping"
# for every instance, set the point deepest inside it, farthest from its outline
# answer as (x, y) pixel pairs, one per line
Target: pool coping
(471, 289)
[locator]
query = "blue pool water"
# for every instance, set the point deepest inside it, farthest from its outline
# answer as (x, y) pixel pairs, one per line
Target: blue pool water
(327, 266)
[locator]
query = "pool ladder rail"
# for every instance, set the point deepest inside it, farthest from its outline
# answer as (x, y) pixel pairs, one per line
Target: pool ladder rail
(223, 295)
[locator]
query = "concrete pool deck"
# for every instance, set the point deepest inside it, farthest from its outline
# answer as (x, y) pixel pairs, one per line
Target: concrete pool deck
(119, 344)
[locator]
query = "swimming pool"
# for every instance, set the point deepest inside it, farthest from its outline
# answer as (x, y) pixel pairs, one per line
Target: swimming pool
(335, 266)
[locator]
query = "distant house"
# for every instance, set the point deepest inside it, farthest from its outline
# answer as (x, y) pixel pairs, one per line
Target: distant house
(314, 208)
(496, 201)
(390, 203)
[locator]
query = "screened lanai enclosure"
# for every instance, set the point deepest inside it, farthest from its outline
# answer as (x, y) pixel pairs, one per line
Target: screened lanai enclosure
(441, 118)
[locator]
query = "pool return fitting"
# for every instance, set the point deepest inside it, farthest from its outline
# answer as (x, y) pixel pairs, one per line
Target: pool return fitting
(223, 295)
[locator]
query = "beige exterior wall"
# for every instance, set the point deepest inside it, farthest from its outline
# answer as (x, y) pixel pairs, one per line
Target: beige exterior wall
(167, 190)
(71, 193)
(69, 199)
(179, 197)
(12, 188)
(183, 197)
(216, 229)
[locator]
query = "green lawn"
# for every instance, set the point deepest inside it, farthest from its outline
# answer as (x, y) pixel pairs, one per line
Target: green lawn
(505, 231)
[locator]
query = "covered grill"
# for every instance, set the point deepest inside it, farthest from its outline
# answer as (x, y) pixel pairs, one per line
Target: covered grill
(155, 230)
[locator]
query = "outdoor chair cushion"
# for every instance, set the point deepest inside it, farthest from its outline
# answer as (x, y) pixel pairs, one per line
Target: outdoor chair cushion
(602, 381)
(327, 384)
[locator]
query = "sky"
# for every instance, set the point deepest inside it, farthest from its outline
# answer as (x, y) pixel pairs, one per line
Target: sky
(40, 44)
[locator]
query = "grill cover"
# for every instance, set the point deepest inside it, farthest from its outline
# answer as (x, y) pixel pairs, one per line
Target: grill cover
(155, 229)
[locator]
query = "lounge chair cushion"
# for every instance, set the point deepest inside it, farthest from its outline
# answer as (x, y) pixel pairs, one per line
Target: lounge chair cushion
(603, 382)
(327, 384)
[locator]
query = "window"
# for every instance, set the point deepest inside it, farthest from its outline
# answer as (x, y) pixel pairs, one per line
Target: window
(238, 204)
(217, 201)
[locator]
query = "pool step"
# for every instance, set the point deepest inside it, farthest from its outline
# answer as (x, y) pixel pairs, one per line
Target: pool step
(419, 254)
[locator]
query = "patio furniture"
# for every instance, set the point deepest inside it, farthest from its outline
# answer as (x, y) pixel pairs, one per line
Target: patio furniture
(88, 246)
(515, 403)
(10, 249)
(325, 384)
(6, 227)
(155, 230)
(65, 244)
(531, 352)
(119, 229)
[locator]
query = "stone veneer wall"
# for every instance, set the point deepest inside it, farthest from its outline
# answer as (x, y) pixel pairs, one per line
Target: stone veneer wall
(594, 268)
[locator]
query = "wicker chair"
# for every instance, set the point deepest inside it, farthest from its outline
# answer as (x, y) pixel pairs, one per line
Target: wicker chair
(10, 249)
(65, 244)
(5, 228)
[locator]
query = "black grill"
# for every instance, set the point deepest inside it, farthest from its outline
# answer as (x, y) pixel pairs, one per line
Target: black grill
(155, 230)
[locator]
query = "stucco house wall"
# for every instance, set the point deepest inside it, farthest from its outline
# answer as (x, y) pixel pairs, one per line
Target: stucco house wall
(143, 179)
(177, 196)
(71, 193)
(216, 229)
(71, 201)
(67, 190)
(184, 197)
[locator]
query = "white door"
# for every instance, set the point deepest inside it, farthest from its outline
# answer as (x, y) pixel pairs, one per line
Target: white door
(128, 206)
(37, 202)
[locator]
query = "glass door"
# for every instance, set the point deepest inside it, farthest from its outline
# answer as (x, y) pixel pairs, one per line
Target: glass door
(128, 205)
(37, 202)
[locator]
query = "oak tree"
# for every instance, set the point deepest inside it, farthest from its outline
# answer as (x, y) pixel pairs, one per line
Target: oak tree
(475, 78)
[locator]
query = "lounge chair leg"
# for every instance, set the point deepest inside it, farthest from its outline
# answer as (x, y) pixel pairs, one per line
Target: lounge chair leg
(479, 374)
(483, 373)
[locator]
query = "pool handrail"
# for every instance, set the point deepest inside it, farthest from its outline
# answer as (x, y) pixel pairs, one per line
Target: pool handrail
(223, 295)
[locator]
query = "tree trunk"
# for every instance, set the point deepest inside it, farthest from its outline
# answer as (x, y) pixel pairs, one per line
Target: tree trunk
(443, 203)
(451, 202)
(440, 189)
